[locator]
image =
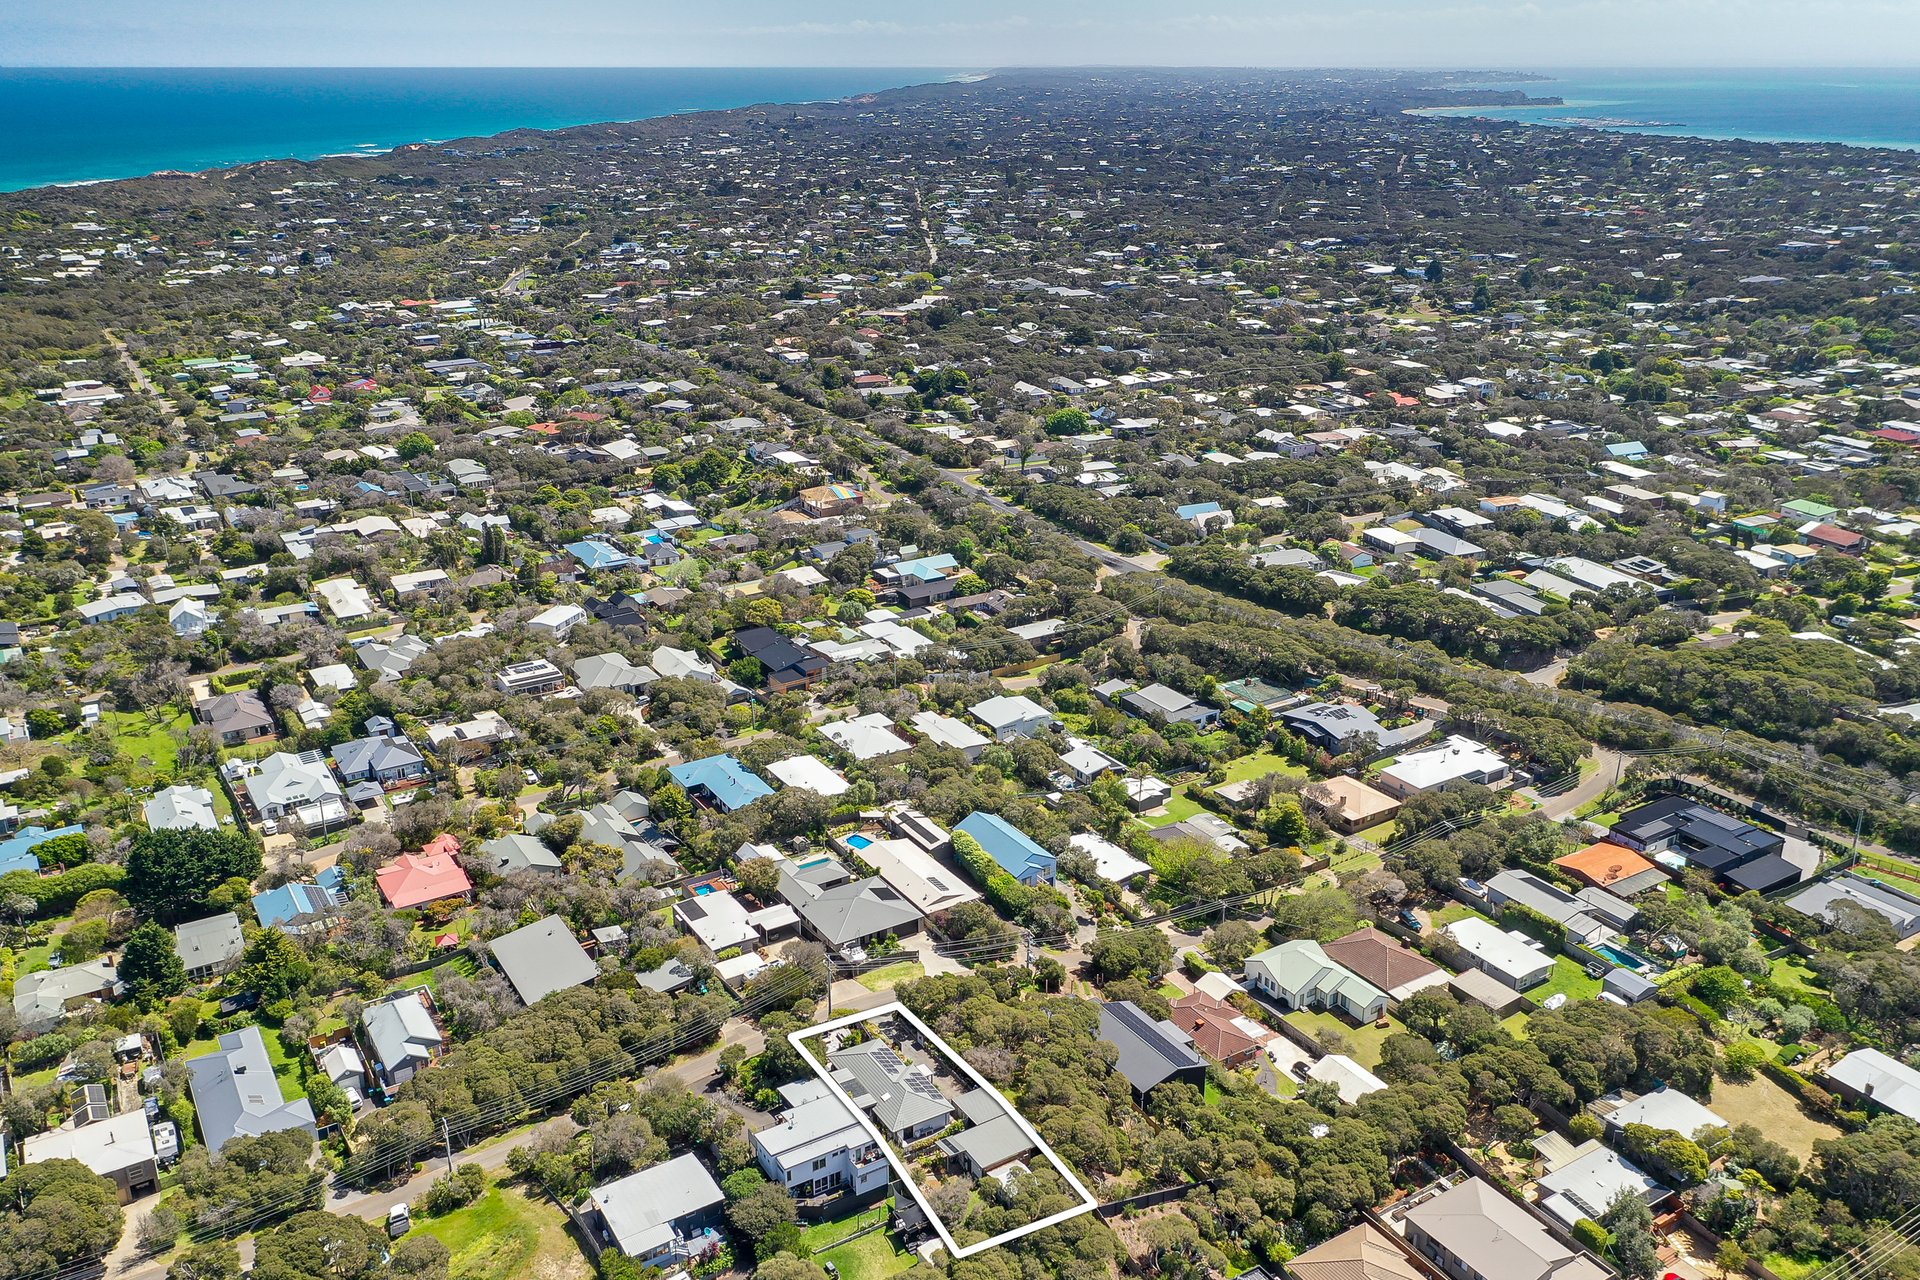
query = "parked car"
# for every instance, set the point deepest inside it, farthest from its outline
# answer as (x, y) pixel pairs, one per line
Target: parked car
(399, 1221)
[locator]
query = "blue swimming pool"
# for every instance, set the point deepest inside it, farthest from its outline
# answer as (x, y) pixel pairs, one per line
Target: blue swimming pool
(1625, 959)
(702, 890)
(858, 842)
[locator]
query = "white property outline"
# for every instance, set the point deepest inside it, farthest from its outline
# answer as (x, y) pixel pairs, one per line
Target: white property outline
(797, 1040)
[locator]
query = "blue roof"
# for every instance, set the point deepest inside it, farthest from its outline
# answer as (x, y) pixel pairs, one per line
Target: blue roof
(927, 568)
(1631, 449)
(1193, 509)
(1007, 845)
(291, 901)
(724, 778)
(16, 852)
(597, 555)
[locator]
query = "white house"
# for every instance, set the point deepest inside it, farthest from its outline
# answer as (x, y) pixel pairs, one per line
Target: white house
(1455, 759)
(1011, 717)
(557, 621)
(181, 808)
(1513, 958)
(817, 1147)
(945, 731)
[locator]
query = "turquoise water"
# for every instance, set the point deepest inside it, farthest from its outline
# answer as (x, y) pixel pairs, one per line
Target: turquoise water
(85, 124)
(1625, 959)
(1869, 107)
(858, 842)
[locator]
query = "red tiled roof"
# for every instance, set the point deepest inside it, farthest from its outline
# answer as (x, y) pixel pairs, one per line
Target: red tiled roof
(1211, 1024)
(414, 879)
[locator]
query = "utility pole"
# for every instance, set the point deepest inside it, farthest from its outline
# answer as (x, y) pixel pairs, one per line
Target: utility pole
(446, 1136)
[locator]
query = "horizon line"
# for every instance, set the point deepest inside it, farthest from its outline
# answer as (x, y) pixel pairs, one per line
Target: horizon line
(1009, 66)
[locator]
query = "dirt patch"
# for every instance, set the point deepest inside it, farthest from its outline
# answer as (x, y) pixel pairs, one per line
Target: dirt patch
(1775, 1112)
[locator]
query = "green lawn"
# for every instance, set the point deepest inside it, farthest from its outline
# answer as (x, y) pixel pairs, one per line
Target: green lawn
(1791, 973)
(504, 1235)
(1213, 1094)
(148, 745)
(1452, 913)
(873, 1256)
(1366, 1041)
(1516, 1025)
(1262, 763)
(1179, 806)
(891, 975)
(1567, 978)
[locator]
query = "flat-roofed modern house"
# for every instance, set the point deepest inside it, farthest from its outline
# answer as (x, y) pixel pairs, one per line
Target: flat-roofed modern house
(535, 677)
(1456, 759)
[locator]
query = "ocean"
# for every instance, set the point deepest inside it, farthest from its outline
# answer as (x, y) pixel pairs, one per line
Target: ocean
(1876, 108)
(68, 125)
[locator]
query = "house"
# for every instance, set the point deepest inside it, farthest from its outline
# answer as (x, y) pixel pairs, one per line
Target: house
(190, 618)
(903, 1100)
(535, 678)
(1664, 1108)
(1083, 762)
(1386, 962)
(1870, 1076)
(659, 1217)
(1457, 759)
(235, 718)
(992, 1139)
(1011, 717)
(1363, 1252)
(384, 758)
(1110, 861)
(1349, 1079)
(786, 665)
(854, 914)
(510, 854)
(235, 1093)
(181, 808)
(1205, 517)
(916, 875)
(118, 1148)
(1587, 1185)
(303, 908)
(1219, 1031)
(724, 923)
(299, 786)
(866, 737)
(345, 599)
(1612, 867)
(1010, 847)
(415, 879)
(954, 734)
(1472, 1232)
(1348, 804)
(541, 958)
(612, 671)
(1298, 974)
(41, 1001)
(721, 782)
(402, 1034)
(1825, 898)
(595, 556)
(817, 1148)
(1591, 917)
(1515, 959)
(1831, 537)
(1735, 851)
(809, 773)
(1151, 1053)
(1170, 706)
(210, 947)
(470, 740)
(828, 500)
(1339, 727)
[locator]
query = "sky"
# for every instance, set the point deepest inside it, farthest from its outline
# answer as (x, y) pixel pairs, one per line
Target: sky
(975, 35)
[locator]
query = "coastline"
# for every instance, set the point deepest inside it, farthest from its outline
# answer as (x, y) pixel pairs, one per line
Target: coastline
(431, 108)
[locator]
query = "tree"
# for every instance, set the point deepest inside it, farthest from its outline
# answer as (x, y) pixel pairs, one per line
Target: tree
(785, 1266)
(414, 444)
(61, 1211)
(273, 967)
(760, 1213)
(320, 1246)
(1731, 1259)
(1068, 422)
(170, 873)
(44, 723)
(1229, 944)
(1130, 953)
(214, 1260)
(1719, 987)
(151, 967)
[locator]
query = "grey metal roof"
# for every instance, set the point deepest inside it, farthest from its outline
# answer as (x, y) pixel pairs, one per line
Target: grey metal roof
(898, 1097)
(1151, 1052)
(542, 958)
(236, 1095)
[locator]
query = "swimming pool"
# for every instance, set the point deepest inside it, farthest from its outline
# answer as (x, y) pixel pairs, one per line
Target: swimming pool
(702, 890)
(858, 842)
(1625, 959)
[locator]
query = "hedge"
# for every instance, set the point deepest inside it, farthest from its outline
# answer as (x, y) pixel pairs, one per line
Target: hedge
(1003, 893)
(56, 895)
